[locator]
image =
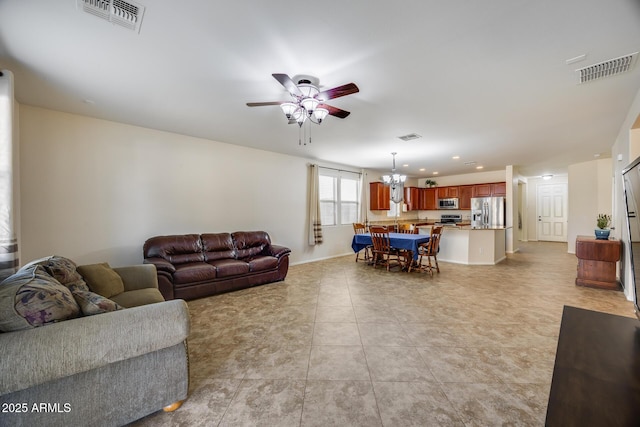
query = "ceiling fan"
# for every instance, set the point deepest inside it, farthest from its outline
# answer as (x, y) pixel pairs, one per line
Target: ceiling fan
(308, 101)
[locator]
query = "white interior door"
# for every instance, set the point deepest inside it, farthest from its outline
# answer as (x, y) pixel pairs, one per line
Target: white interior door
(552, 212)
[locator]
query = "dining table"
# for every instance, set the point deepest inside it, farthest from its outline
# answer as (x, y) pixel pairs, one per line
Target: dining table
(406, 241)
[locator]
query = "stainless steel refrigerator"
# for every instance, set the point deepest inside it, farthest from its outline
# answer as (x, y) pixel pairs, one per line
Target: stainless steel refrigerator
(488, 211)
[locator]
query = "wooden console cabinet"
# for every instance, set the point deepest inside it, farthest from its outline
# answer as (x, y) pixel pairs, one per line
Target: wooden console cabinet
(597, 262)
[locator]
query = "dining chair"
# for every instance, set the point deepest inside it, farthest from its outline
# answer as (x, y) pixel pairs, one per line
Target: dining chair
(430, 250)
(360, 228)
(407, 229)
(384, 252)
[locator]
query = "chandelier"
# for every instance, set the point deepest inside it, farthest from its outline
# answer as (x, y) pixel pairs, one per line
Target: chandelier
(306, 106)
(395, 182)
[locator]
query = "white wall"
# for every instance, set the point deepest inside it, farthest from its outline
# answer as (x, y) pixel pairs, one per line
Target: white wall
(94, 190)
(590, 194)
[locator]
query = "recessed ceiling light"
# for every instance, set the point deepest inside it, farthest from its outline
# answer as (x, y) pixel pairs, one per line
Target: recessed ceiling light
(405, 165)
(479, 167)
(422, 169)
(435, 173)
(547, 177)
(455, 157)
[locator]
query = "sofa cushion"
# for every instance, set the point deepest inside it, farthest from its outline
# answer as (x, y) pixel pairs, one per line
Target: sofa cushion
(229, 267)
(32, 298)
(218, 246)
(102, 279)
(91, 303)
(262, 263)
(178, 249)
(193, 273)
(250, 243)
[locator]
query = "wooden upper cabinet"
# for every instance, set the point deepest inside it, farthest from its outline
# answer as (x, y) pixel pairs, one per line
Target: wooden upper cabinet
(466, 193)
(427, 199)
(447, 192)
(482, 190)
(412, 198)
(379, 197)
(499, 189)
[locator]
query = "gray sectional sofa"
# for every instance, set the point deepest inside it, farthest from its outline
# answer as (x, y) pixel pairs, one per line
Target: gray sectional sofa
(107, 369)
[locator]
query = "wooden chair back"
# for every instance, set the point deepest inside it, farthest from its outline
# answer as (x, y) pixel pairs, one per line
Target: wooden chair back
(359, 228)
(407, 229)
(380, 239)
(434, 241)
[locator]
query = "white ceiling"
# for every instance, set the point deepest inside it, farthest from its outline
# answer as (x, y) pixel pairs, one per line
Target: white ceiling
(484, 80)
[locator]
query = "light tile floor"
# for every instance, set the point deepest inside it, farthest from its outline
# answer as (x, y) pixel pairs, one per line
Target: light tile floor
(339, 343)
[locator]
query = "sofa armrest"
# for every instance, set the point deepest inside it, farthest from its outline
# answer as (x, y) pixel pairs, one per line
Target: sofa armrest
(34, 356)
(161, 264)
(278, 251)
(140, 276)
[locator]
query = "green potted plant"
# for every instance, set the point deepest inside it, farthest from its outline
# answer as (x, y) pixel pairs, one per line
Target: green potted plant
(430, 183)
(603, 221)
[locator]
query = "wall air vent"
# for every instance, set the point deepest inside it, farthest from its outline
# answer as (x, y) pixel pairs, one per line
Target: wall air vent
(409, 137)
(127, 14)
(606, 68)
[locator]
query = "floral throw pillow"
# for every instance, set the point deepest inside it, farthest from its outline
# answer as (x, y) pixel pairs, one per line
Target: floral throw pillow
(91, 303)
(33, 298)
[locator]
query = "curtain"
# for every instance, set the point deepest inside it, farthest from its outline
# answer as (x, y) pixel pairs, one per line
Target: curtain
(315, 224)
(9, 259)
(364, 198)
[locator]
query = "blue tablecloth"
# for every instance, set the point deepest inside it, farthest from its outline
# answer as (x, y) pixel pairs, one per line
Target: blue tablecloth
(397, 240)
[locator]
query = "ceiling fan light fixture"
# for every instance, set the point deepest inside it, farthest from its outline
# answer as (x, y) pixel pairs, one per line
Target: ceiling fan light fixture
(308, 90)
(309, 104)
(320, 113)
(289, 108)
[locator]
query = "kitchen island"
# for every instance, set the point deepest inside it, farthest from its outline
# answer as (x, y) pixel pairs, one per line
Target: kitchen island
(471, 245)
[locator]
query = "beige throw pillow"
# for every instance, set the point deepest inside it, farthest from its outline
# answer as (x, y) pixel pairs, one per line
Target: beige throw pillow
(102, 279)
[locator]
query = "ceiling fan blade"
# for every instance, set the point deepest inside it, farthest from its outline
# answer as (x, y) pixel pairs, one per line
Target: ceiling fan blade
(336, 112)
(337, 92)
(288, 84)
(262, 104)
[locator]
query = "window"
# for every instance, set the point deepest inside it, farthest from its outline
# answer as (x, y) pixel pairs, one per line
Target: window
(339, 197)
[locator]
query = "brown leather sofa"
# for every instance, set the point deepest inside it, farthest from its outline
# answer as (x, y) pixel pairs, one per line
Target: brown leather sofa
(192, 266)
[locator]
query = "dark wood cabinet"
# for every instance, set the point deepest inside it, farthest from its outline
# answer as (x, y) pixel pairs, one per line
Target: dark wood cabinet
(482, 190)
(412, 198)
(447, 192)
(427, 199)
(490, 189)
(379, 197)
(499, 189)
(597, 262)
(466, 193)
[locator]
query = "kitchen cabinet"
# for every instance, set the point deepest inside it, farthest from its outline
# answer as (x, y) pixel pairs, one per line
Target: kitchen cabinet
(427, 199)
(379, 197)
(499, 189)
(447, 192)
(466, 193)
(482, 190)
(412, 198)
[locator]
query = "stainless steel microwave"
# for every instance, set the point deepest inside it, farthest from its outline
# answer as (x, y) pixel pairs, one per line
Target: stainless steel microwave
(450, 203)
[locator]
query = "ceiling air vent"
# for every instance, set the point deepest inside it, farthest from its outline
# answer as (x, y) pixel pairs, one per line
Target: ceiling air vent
(606, 68)
(409, 137)
(124, 13)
